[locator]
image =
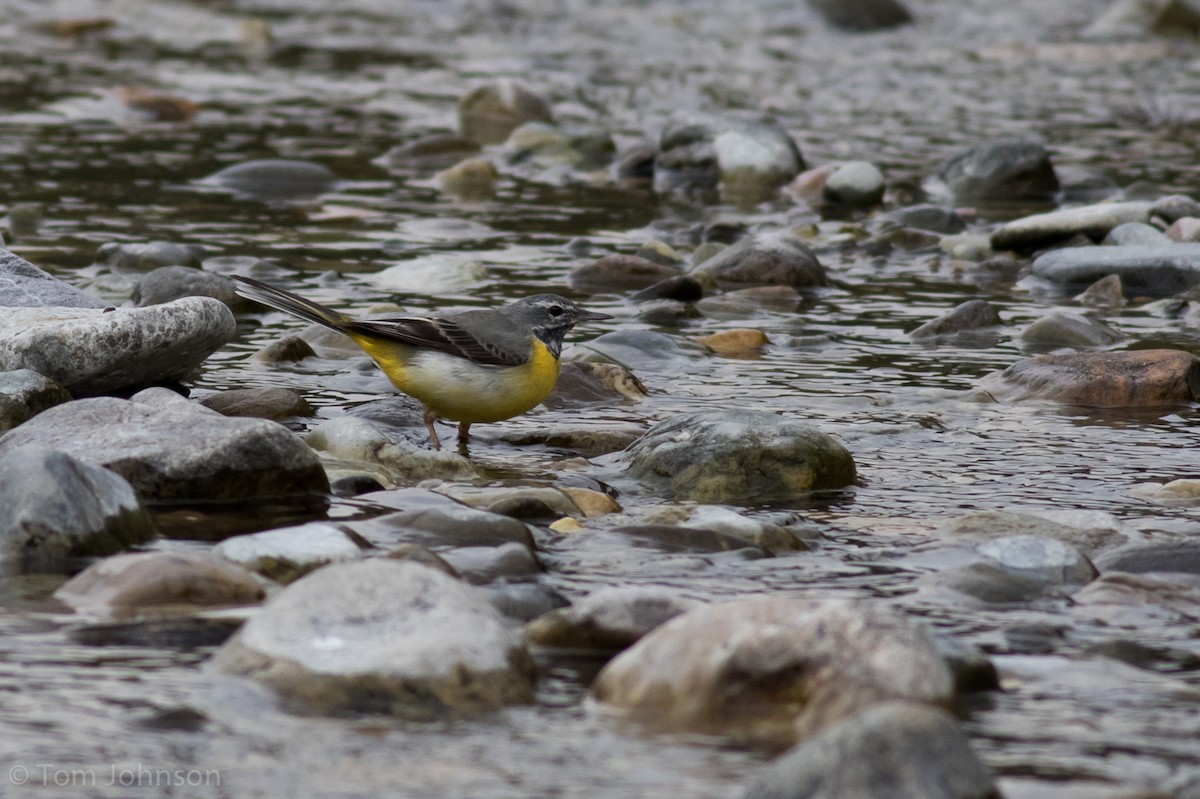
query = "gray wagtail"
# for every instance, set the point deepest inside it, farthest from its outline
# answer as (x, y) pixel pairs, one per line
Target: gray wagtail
(473, 366)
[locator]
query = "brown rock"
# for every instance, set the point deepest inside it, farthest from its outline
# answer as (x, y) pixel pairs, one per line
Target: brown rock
(1101, 379)
(741, 341)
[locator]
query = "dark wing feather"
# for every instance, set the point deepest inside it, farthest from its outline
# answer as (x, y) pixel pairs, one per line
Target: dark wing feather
(444, 335)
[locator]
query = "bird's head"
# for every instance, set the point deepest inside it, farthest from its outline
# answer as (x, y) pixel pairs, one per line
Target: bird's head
(551, 317)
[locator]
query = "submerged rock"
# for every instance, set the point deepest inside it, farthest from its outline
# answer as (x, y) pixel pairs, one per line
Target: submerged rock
(489, 113)
(382, 636)
(92, 351)
(276, 180)
(261, 403)
(24, 394)
(897, 750)
(775, 668)
(54, 507)
(1146, 270)
(176, 450)
(27, 286)
(1101, 379)
(149, 255)
(969, 316)
(1000, 172)
(1065, 329)
(775, 258)
(143, 581)
(608, 620)
(738, 457)
(365, 441)
(1094, 221)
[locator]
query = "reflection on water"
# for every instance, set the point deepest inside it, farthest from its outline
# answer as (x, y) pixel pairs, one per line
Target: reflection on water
(340, 84)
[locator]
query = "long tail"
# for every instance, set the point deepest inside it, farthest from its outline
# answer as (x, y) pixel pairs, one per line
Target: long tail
(290, 303)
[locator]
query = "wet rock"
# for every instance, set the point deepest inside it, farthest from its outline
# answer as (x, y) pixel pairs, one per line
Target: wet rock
(1174, 207)
(24, 394)
(147, 581)
(489, 113)
(1000, 172)
(432, 151)
(432, 274)
(91, 351)
(1147, 600)
(172, 282)
(743, 302)
(363, 441)
(1088, 531)
(617, 274)
(581, 383)
(423, 555)
(288, 553)
(1104, 293)
(473, 179)
(24, 220)
(936, 218)
(523, 602)
(1185, 490)
(23, 285)
(994, 584)
(54, 507)
(510, 562)
(862, 15)
(1066, 329)
(969, 316)
(660, 252)
(1135, 234)
(518, 501)
(176, 450)
(775, 535)
(276, 180)
(382, 636)
(735, 343)
(774, 667)
(593, 504)
(699, 151)
(1186, 229)
(642, 349)
(608, 620)
(1179, 556)
(858, 184)
(1041, 558)
(680, 288)
(437, 520)
(810, 184)
(147, 256)
(667, 313)
(589, 442)
(635, 163)
(1101, 379)
(675, 539)
(1008, 569)
(1145, 270)
(775, 258)
(1094, 221)
(288, 349)
(262, 403)
(897, 750)
(743, 456)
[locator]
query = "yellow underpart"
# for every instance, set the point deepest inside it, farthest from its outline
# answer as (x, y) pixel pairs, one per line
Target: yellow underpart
(456, 389)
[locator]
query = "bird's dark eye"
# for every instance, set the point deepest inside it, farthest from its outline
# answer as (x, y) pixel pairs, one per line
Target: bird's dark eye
(556, 310)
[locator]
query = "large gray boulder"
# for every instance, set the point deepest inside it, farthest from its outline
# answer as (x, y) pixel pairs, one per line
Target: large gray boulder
(92, 351)
(897, 750)
(773, 667)
(53, 507)
(730, 457)
(1156, 270)
(175, 449)
(23, 285)
(383, 636)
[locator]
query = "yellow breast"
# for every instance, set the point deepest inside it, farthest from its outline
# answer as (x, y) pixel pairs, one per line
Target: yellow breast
(462, 391)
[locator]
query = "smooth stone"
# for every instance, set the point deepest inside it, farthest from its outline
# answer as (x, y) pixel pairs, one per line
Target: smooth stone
(288, 349)
(635, 163)
(381, 636)
(680, 288)
(472, 179)
(773, 667)
(168, 283)
(1094, 221)
(1106, 292)
(862, 15)
(636, 348)
(1183, 490)
(432, 151)
(177, 450)
(739, 342)
(667, 313)
(24, 394)
(92, 351)
(738, 457)
(288, 553)
(1088, 531)
(518, 501)
(276, 179)
(738, 304)
(54, 507)
(1179, 556)
(423, 555)
(150, 255)
(698, 151)
(510, 562)
(775, 258)
(1136, 234)
(1137, 378)
(582, 383)
(1186, 229)
(1174, 207)
(660, 252)
(1156, 271)
(858, 184)
(588, 442)
(993, 584)
(1000, 172)
(23, 285)
(262, 403)
(450, 525)
(935, 218)
(617, 274)
(1131, 19)
(1040, 558)
(364, 441)
(608, 620)
(1150, 600)
(969, 316)
(675, 539)
(523, 602)
(488, 114)
(1066, 329)
(773, 534)
(148, 581)
(896, 750)
(24, 220)
(592, 503)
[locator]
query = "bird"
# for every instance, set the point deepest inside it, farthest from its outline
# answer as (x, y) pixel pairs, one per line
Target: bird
(476, 366)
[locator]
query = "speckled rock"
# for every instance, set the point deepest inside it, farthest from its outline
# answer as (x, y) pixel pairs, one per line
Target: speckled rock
(23, 285)
(1101, 379)
(25, 393)
(91, 351)
(382, 636)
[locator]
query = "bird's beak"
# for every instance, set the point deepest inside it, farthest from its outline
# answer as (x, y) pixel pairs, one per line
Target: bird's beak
(592, 316)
